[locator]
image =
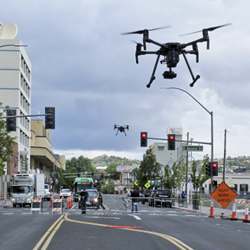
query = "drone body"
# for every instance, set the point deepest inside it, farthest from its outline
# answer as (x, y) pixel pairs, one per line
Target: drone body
(121, 129)
(171, 52)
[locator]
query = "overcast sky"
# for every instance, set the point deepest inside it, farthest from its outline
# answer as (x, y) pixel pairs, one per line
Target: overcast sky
(86, 69)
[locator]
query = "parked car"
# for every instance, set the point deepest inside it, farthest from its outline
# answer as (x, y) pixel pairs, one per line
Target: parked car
(65, 192)
(47, 194)
(161, 198)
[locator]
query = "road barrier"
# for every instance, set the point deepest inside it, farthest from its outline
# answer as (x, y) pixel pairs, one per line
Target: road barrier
(57, 205)
(246, 216)
(69, 202)
(234, 212)
(211, 214)
(36, 204)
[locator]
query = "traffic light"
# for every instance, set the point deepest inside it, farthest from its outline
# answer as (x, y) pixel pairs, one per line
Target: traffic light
(208, 169)
(214, 168)
(171, 141)
(144, 139)
(11, 121)
(49, 117)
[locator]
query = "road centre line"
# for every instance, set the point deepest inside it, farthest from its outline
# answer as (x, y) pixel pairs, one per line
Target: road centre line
(48, 235)
(179, 244)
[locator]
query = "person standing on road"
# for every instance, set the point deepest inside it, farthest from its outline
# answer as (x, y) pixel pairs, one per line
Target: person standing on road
(83, 199)
(135, 194)
(100, 201)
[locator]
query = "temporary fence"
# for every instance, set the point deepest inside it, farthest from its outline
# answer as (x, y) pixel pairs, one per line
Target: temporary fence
(36, 204)
(57, 205)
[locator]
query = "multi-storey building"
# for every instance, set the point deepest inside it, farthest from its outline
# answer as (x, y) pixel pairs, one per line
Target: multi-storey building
(167, 157)
(42, 155)
(15, 93)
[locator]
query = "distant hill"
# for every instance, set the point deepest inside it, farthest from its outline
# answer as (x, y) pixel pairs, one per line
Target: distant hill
(104, 160)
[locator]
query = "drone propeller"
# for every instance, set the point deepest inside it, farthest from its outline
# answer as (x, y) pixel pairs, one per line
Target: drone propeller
(144, 30)
(207, 29)
(145, 33)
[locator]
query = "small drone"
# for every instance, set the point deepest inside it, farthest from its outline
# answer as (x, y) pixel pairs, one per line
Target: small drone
(171, 51)
(121, 129)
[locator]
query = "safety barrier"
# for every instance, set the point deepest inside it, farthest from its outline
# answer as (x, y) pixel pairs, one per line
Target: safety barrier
(36, 204)
(57, 205)
(69, 202)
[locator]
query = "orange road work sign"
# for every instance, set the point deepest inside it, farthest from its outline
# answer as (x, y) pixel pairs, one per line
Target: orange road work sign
(224, 195)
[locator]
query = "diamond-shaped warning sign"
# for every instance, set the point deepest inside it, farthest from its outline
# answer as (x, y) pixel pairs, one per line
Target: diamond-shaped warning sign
(224, 195)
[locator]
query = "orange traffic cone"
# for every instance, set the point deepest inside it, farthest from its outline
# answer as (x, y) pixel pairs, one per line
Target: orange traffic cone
(246, 217)
(211, 215)
(234, 213)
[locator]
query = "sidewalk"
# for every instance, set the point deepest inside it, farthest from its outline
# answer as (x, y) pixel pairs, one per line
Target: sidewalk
(206, 210)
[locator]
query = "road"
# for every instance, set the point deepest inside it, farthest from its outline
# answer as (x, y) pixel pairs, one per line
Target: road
(117, 228)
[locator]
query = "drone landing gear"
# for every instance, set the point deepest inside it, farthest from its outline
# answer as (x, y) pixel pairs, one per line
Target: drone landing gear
(191, 72)
(152, 78)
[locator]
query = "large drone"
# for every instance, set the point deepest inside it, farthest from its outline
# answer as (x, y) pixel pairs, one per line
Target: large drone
(171, 51)
(121, 129)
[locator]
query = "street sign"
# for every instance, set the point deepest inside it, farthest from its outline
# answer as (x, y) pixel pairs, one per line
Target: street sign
(194, 148)
(224, 195)
(147, 185)
(136, 183)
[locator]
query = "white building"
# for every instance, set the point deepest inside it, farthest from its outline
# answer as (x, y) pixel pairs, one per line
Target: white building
(239, 181)
(15, 92)
(169, 157)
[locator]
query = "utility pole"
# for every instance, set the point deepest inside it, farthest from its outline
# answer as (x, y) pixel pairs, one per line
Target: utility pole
(225, 152)
(187, 165)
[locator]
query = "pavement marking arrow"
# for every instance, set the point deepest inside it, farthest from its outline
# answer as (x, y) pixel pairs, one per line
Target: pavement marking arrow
(135, 216)
(179, 244)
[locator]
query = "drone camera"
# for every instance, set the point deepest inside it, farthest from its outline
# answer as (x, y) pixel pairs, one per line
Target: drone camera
(169, 74)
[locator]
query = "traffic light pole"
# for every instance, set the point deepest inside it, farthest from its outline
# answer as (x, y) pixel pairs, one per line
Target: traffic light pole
(186, 182)
(212, 123)
(225, 153)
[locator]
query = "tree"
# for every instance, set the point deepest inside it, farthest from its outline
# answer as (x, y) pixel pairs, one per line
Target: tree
(75, 166)
(149, 168)
(174, 177)
(6, 142)
(111, 170)
(199, 176)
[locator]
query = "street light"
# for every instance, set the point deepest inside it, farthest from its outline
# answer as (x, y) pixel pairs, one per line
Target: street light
(211, 119)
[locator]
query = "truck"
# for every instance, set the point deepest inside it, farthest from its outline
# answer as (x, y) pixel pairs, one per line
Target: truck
(24, 187)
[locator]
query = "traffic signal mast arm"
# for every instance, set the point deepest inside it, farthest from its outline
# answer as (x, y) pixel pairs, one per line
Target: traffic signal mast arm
(185, 141)
(21, 116)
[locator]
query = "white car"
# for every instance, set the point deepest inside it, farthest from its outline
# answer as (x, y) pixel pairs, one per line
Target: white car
(47, 194)
(65, 192)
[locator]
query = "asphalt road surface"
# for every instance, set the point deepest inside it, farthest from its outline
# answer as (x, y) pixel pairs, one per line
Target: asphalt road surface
(117, 228)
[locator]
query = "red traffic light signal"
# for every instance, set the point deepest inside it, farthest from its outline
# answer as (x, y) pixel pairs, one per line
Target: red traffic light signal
(214, 168)
(171, 141)
(144, 139)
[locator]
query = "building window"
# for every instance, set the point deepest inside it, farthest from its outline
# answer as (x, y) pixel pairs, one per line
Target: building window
(160, 148)
(243, 188)
(236, 187)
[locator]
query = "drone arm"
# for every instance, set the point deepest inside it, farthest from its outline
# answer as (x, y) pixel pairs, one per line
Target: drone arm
(152, 78)
(155, 43)
(190, 71)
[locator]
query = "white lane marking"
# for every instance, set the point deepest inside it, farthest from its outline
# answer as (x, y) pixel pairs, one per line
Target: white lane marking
(135, 216)
(8, 213)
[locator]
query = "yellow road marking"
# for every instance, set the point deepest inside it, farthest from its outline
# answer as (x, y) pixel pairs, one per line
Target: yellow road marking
(48, 235)
(181, 245)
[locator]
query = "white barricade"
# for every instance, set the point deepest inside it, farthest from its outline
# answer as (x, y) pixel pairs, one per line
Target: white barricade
(36, 204)
(57, 206)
